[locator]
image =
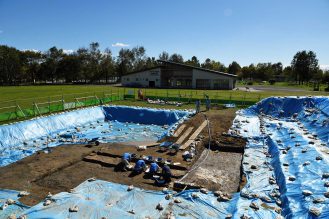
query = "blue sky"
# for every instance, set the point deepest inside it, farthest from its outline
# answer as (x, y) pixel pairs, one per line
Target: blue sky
(248, 31)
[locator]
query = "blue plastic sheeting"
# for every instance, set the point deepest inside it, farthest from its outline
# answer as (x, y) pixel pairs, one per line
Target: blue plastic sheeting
(295, 133)
(22, 139)
(15, 209)
(99, 199)
(144, 116)
(257, 189)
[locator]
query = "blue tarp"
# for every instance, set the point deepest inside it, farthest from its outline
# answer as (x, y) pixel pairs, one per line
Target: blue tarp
(295, 136)
(99, 199)
(143, 116)
(108, 123)
(14, 209)
(279, 144)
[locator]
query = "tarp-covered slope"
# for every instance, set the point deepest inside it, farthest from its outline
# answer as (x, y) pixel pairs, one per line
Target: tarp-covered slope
(9, 204)
(101, 199)
(295, 138)
(108, 123)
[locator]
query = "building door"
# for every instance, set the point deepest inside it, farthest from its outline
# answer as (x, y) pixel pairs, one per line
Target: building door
(151, 83)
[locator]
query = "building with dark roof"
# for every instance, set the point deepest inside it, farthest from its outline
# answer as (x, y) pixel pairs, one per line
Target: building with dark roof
(177, 75)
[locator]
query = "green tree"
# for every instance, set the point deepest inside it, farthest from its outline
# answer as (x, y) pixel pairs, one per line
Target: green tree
(213, 65)
(234, 68)
(107, 65)
(176, 58)
(31, 62)
(53, 57)
(69, 68)
(304, 65)
(194, 61)
(93, 64)
(10, 65)
(164, 56)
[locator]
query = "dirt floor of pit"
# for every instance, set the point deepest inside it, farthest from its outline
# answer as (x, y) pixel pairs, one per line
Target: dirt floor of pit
(219, 168)
(65, 168)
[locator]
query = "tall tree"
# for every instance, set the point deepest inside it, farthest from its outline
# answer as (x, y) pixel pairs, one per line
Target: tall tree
(213, 65)
(304, 65)
(234, 68)
(32, 61)
(94, 59)
(10, 65)
(139, 58)
(125, 61)
(107, 65)
(53, 57)
(69, 68)
(164, 56)
(176, 58)
(194, 61)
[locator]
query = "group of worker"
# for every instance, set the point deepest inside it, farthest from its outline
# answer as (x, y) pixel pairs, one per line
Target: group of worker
(207, 102)
(140, 167)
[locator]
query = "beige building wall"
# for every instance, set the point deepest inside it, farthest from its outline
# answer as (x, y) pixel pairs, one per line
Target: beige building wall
(143, 78)
(213, 77)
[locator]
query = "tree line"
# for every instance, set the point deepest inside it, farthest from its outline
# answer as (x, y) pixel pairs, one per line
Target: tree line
(91, 65)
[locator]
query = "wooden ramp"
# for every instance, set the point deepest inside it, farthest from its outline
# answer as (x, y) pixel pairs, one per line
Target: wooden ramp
(186, 144)
(193, 136)
(197, 132)
(179, 130)
(185, 134)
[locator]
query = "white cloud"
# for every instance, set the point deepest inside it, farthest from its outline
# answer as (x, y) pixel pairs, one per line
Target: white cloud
(120, 45)
(324, 67)
(68, 51)
(228, 12)
(1, 31)
(32, 50)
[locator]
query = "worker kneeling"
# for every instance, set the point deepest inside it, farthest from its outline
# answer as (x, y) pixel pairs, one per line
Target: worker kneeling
(140, 166)
(166, 173)
(125, 162)
(154, 168)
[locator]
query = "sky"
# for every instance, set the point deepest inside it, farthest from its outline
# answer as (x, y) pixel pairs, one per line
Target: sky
(246, 31)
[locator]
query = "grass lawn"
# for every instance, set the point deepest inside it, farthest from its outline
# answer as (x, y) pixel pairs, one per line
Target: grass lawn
(305, 86)
(25, 96)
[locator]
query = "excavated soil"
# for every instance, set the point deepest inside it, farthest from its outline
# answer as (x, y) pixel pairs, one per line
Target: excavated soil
(66, 167)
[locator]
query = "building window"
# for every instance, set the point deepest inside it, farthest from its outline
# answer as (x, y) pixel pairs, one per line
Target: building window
(221, 84)
(203, 83)
(127, 79)
(146, 79)
(136, 79)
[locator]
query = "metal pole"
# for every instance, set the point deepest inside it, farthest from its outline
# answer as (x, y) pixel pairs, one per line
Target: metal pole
(49, 104)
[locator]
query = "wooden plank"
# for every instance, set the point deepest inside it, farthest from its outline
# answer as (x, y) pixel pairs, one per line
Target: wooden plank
(197, 132)
(186, 144)
(150, 144)
(185, 134)
(179, 130)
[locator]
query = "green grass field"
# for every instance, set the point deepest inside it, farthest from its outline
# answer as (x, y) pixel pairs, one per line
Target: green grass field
(26, 95)
(51, 98)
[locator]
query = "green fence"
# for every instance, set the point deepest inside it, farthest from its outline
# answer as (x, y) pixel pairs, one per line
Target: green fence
(27, 108)
(31, 107)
